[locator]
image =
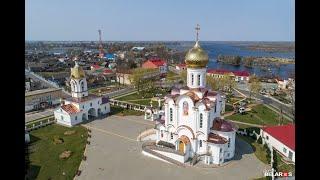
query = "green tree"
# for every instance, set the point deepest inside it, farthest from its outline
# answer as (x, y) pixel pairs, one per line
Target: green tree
(275, 160)
(141, 76)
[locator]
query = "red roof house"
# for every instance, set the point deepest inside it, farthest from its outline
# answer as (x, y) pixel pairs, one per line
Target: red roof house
(281, 138)
(107, 71)
(154, 63)
(284, 134)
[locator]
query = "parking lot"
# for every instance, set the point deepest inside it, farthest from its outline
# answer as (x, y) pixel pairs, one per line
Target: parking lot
(114, 153)
(39, 114)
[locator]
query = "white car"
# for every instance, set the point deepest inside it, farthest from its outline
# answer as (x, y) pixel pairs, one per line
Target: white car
(241, 110)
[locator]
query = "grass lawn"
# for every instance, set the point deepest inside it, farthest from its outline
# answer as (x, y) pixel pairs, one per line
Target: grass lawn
(285, 167)
(228, 108)
(133, 97)
(44, 154)
(142, 95)
(259, 114)
(115, 110)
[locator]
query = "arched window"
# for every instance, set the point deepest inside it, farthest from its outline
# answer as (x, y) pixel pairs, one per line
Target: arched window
(200, 143)
(192, 79)
(82, 86)
(185, 108)
(171, 116)
(201, 120)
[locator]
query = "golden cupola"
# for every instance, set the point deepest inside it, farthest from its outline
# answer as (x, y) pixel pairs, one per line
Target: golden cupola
(196, 57)
(77, 72)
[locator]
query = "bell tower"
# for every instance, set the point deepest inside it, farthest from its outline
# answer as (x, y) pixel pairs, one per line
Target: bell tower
(196, 60)
(78, 82)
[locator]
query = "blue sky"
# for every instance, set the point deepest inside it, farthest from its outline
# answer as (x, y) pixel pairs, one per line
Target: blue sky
(147, 20)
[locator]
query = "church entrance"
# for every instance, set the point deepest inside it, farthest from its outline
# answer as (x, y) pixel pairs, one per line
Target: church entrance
(92, 114)
(181, 147)
(183, 144)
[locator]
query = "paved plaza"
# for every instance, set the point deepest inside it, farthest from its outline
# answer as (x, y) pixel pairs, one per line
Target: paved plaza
(115, 154)
(38, 114)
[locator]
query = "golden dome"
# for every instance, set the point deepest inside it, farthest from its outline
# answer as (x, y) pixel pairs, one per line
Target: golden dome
(196, 57)
(77, 72)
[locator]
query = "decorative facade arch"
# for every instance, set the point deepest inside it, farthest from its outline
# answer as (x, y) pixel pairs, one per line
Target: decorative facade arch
(185, 127)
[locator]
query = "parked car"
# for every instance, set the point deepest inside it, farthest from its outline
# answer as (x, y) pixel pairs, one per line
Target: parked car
(241, 110)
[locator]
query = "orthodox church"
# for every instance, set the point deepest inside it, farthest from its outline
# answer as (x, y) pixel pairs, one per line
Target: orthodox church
(81, 106)
(192, 120)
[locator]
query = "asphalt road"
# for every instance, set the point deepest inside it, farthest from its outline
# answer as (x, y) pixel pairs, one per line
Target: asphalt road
(269, 101)
(39, 114)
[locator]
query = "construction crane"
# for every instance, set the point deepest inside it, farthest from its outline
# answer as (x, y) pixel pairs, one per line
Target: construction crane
(101, 52)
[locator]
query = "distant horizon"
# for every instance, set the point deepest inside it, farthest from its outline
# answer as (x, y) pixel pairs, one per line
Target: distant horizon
(166, 20)
(149, 41)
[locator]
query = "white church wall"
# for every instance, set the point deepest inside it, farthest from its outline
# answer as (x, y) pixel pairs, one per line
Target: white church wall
(229, 151)
(62, 118)
(176, 157)
(278, 145)
(195, 73)
(203, 148)
(188, 119)
(215, 153)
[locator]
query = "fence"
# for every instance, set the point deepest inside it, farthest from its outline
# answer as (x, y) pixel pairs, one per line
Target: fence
(39, 123)
(128, 105)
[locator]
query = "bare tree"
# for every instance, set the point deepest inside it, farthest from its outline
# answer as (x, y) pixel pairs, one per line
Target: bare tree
(254, 85)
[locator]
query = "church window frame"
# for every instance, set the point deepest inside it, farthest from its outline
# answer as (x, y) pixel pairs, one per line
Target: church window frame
(201, 120)
(229, 142)
(200, 143)
(171, 135)
(199, 78)
(76, 118)
(171, 114)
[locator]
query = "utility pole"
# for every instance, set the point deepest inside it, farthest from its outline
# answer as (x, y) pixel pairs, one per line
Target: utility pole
(101, 52)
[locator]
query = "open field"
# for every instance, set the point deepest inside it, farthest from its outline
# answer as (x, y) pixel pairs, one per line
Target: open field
(259, 114)
(44, 154)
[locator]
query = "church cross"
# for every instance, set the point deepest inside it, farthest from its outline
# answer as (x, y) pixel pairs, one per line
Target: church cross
(197, 30)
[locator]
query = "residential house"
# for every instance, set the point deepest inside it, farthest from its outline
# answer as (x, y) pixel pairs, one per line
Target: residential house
(281, 138)
(156, 63)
